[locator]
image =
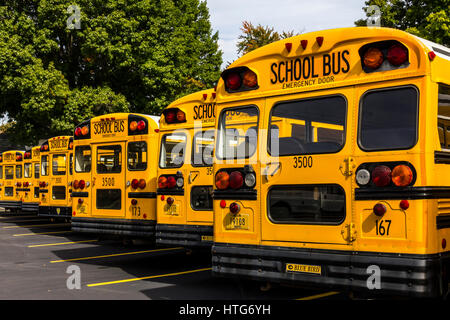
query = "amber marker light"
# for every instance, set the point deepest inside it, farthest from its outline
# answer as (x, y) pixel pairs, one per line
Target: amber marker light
(222, 180)
(402, 175)
(373, 58)
(250, 79)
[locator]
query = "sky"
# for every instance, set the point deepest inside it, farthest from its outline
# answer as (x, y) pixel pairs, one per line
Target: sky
(300, 16)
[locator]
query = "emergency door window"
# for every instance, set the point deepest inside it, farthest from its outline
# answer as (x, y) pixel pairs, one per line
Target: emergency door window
(83, 159)
(19, 172)
(137, 155)
(109, 159)
(9, 172)
(44, 166)
(59, 165)
(27, 170)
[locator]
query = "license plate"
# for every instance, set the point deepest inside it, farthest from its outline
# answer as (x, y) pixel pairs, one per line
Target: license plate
(171, 210)
(303, 268)
(238, 222)
(207, 238)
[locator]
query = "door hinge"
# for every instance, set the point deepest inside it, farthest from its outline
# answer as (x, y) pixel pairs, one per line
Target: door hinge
(348, 232)
(347, 167)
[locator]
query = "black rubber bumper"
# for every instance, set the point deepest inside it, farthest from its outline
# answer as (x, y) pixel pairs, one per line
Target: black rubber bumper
(11, 204)
(30, 207)
(184, 235)
(120, 227)
(55, 212)
(400, 274)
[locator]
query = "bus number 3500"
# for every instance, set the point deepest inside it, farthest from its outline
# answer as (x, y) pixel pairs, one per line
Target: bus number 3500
(106, 182)
(303, 162)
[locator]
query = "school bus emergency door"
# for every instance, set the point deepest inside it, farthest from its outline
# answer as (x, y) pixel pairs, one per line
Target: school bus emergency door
(114, 187)
(12, 180)
(184, 206)
(356, 177)
(31, 168)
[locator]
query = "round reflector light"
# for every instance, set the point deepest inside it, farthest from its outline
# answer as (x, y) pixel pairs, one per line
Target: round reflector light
(402, 175)
(381, 176)
(223, 204)
(373, 58)
(404, 204)
(397, 55)
(379, 209)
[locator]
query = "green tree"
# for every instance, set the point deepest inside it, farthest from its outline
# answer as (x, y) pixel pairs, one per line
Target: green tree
(255, 37)
(428, 19)
(128, 55)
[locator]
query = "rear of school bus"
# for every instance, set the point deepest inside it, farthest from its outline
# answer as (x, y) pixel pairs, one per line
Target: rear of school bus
(56, 201)
(352, 192)
(31, 168)
(12, 180)
(184, 194)
(114, 181)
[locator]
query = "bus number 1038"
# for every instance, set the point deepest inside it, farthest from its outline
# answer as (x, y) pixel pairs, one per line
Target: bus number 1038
(303, 162)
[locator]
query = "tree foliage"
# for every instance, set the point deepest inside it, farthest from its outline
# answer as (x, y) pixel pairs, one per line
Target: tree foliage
(429, 19)
(128, 55)
(255, 37)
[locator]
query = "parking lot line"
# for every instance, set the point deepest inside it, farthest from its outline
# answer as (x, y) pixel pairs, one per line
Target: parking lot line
(38, 225)
(148, 277)
(116, 254)
(59, 244)
(41, 233)
(318, 296)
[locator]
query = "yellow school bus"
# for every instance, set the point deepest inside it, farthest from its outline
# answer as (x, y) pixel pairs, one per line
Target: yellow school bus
(114, 181)
(56, 177)
(30, 185)
(184, 205)
(12, 180)
(352, 192)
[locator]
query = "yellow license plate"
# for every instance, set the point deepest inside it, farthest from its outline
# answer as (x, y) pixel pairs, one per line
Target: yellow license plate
(207, 238)
(239, 221)
(304, 268)
(171, 210)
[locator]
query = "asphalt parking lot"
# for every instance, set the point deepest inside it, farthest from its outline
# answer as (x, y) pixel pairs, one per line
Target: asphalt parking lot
(45, 260)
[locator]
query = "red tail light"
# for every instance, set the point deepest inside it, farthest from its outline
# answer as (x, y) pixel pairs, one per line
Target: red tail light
(19, 184)
(82, 184)
(142, 184)
(134, 183)
(236, 180)
(77, 132)
(233, 81)
(381, 176)
(171, 182)
(141, 125)
(397, 55)
(170, 116)
(223, 204)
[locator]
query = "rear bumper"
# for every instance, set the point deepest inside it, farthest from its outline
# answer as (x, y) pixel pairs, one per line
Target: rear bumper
(184, 235)
(400, 274)
(55, 212)
(121, 227)
(30, 206)
(9, 204)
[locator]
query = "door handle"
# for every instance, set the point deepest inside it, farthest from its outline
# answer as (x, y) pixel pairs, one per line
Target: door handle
(271, 170)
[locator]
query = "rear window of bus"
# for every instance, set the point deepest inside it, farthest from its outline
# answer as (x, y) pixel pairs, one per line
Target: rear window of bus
(59, 164)
(388, 119)
(238, 133)
(203, 149)
(137, 155)
(83, 159)
(44, 166)
(173, 147)
(19, 172)
(308, 126)
(9, 172)
(109, 159)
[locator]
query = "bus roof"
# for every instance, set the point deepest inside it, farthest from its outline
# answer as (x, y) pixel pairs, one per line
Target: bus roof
(331, 58)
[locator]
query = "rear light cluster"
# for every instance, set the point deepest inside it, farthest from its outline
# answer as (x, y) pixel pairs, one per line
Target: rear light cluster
(82, 131)
(79, 184)
(27, 155)
(385, 175)
(19, 157)
(235, 180)
(44, 147)
(174, 115)
(240, 79)
(136, 126)
(389, 54)
(135, 183)
(43, 184)
(170, 181)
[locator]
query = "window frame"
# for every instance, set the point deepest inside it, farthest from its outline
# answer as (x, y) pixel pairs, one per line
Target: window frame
(203, 165)
(161, 150)
(222, 113)
(390, 88)
(86, 147)
(269, 136)
(147, 158)
(59, 173)
(98, 155)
